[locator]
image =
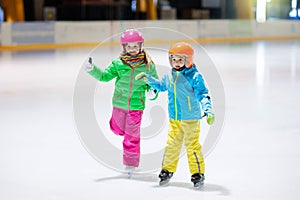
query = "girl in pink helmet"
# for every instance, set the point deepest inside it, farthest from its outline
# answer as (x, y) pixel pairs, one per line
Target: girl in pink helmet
(129, 95)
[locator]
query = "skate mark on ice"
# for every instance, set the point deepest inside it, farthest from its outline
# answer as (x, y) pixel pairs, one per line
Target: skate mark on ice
(206, 187)
(134, 177)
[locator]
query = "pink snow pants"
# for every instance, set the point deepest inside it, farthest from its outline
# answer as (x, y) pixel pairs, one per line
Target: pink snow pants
(127, 123)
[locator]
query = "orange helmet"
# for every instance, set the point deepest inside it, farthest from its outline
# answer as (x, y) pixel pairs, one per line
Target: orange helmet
(182, 49)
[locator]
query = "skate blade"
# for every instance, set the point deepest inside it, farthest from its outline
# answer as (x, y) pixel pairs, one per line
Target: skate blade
(129, 175)
(164, 183)
(198, 185)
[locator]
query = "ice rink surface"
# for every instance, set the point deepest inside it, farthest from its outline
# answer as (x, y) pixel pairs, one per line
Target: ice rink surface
(257, 156)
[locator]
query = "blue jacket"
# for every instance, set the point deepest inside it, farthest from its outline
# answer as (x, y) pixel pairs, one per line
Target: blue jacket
(186, 92)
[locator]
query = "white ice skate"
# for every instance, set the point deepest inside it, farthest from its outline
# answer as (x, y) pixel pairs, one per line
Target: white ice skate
(129, 170)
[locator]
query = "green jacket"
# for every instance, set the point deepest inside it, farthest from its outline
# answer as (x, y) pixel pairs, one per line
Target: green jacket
(129, 94)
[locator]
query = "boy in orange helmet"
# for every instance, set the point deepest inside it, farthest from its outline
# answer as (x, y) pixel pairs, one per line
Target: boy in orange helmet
(188, 98)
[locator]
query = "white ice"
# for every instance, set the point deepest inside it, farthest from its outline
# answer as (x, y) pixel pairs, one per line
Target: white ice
(257, 156)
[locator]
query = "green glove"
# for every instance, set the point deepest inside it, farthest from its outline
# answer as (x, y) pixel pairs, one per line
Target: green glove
(141, 76)
(151, 94)
(210, 118)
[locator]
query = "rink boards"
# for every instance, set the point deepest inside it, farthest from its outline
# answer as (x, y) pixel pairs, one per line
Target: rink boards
(87, 33)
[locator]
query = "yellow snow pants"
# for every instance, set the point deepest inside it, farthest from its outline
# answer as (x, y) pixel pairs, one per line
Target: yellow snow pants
(189, 132)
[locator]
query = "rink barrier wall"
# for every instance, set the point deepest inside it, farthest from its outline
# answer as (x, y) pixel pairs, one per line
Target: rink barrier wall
(49, 35)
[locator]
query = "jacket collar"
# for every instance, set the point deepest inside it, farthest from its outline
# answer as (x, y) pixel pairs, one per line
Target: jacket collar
(185, 70)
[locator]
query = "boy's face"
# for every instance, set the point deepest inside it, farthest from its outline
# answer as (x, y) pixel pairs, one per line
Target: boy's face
(177, 62)
(133, 48)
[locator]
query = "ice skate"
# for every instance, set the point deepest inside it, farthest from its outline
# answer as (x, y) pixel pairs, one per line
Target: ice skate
(129, 170)
(198, 180)
(165, 177)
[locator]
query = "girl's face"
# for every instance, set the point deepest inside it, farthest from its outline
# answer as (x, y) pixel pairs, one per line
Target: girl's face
(177, 61)
(132, 48)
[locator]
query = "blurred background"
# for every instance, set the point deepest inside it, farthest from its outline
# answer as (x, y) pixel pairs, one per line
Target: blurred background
(87, 22)
(37, 10)
(254, 45)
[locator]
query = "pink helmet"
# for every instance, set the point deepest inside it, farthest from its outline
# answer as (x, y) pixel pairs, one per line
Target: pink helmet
(131, 35)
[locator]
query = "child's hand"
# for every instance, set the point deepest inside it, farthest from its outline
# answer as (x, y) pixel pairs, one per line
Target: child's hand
(152, 94)
(88, 65)
(210, 118)
(141, 76)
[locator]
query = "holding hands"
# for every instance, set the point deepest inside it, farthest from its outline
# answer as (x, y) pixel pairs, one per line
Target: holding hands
(141, 76)
(151, 93)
